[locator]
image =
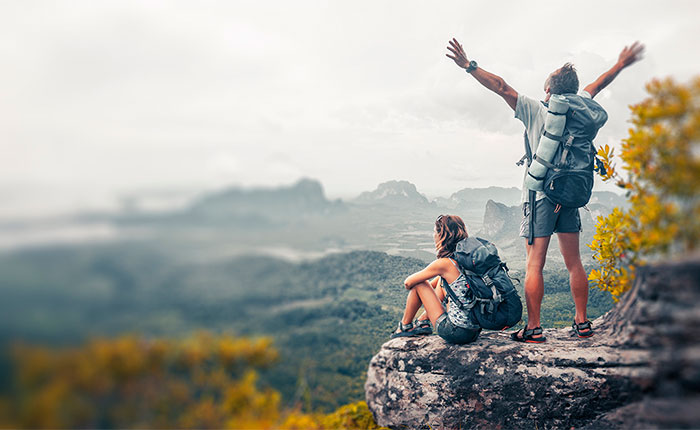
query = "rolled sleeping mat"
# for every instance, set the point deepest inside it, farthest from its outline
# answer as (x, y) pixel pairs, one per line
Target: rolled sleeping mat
(554, 124)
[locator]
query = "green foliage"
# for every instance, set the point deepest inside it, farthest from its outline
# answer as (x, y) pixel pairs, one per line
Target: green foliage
(203, 381)
(662, 165)
(328, 317)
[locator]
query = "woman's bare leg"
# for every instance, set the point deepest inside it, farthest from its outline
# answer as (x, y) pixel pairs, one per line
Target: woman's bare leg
(413, 303)
(427, 296)
(439, 292)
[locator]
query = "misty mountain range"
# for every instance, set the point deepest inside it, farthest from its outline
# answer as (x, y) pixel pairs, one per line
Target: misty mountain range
(394, 218)
(299, 221)
(306, 198)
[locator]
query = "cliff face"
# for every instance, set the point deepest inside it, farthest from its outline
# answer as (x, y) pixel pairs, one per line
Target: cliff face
(501, 221)
(641, 369)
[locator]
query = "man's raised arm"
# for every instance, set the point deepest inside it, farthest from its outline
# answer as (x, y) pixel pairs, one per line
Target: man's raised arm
(489, 80)
(628, 56)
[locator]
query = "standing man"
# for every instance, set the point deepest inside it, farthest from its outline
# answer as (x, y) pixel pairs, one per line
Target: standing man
(548, 217)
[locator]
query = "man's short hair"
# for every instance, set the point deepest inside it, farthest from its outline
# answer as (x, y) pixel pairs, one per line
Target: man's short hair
(564, 80)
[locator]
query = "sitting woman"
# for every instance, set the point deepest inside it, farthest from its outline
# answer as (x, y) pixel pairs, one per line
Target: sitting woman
(452, 325)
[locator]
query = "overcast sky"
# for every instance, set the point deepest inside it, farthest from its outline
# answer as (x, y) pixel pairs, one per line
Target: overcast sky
(102, 99)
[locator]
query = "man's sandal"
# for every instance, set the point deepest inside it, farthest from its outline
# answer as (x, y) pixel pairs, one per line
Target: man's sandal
(582, 330)
(528, 335)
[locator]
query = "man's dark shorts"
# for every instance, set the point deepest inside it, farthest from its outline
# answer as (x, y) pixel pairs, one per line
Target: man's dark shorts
(549, 220)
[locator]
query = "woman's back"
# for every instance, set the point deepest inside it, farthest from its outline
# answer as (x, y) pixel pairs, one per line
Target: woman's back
(460, 287)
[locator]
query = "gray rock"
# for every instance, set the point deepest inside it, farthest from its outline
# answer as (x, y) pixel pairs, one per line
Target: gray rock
(641, 369)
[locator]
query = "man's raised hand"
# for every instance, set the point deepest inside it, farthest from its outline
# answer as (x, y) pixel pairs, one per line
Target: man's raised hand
(459, 57)
(631, 54)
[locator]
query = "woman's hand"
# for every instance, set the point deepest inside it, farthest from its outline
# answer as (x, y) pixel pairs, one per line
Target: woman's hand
(436, 268)
(459, 57)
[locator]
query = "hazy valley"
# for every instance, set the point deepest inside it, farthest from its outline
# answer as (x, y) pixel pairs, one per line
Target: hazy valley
(323, 278)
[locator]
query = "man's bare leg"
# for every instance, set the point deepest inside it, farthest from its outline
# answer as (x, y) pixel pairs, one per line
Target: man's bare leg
(534, 282)
(569, 246)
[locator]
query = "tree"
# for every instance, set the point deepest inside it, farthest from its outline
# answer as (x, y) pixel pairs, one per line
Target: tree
(661, 160)
(203, 381)
(199, 382)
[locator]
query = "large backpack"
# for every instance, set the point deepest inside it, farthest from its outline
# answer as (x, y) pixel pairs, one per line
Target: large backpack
(491, 300)
(568, 180)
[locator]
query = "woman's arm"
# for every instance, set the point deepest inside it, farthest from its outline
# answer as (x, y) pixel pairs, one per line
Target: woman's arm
(436, 268)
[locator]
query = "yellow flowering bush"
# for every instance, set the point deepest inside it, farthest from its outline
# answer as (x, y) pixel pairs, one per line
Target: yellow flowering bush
(661, 164)
(352, 417)
(202, 381)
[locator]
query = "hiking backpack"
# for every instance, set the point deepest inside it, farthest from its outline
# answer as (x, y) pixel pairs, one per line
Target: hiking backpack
(491, 300)
(568, 180)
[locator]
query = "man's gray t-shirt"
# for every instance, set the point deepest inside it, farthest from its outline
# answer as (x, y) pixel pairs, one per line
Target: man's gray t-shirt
(533, 113)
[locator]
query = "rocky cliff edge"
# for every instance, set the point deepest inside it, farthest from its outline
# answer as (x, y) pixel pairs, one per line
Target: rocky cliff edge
(640, 370)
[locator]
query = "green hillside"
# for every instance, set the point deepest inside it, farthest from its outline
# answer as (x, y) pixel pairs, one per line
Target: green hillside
(327, 316)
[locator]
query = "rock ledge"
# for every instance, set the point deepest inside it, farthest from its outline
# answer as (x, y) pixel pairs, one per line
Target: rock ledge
(641, 369)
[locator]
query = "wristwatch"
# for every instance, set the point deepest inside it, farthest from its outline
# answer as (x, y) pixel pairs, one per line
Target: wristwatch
(472, 66)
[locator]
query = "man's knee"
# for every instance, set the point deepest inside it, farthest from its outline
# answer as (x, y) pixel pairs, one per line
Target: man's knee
(569, 246)
(537, 254)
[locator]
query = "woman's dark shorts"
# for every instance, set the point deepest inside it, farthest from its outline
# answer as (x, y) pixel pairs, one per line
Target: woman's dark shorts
(454, 334)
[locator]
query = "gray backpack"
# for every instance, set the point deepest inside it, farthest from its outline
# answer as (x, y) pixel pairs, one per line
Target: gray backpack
(569, 178)
(492, 301)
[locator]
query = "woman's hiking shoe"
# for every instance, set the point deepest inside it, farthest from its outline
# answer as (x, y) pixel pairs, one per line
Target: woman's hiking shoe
(423, 327)
(412, 330)
(403, 330)
(528, 335)
(583, 329)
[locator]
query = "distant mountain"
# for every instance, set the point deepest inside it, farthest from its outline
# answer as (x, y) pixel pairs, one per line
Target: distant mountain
(470, 197)
(253, 208)
(608, 199)
(395, 194)
(304, 198)
(500, 221)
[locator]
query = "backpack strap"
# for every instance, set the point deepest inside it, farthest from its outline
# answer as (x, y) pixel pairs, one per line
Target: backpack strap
(543, 162)
(451, 292)
(528, 152)
(553, 136)
(496, 297)
(532, 195)
(599, 166)
(565, 152)
(453, 296)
